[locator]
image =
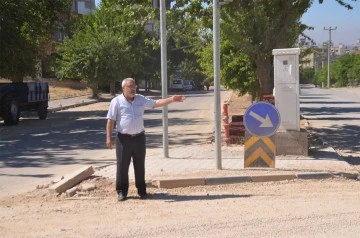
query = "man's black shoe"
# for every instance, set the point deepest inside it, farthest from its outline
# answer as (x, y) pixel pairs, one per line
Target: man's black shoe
(121, 197)
(143, 196)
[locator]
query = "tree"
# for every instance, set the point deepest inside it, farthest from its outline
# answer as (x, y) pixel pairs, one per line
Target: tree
(321, 76)
(345, 71)
(25, 27)
(108, 46)
(184, 41)
(258, 27)
(251, 28)
(306, 75)
(354, 72)
(238, 70)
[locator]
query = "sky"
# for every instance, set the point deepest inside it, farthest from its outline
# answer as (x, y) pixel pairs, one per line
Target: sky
(331, 14)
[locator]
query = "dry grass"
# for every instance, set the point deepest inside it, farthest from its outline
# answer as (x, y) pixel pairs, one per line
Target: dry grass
(238, 104)
(65, 89)
(68, 89)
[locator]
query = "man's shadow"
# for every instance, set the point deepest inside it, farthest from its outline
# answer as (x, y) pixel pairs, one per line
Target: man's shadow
(183, 198)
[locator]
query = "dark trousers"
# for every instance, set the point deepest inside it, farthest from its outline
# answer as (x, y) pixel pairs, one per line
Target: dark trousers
(128, 147)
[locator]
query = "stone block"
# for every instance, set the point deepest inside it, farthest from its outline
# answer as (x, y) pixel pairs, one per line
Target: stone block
(72, 179)
(292, 143)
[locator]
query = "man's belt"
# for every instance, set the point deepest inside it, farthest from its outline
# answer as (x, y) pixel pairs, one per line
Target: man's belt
(131, 135)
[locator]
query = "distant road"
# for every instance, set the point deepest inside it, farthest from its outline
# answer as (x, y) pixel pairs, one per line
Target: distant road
(335, 115)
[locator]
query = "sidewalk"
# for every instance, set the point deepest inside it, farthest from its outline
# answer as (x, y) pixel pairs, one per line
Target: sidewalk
(198, 161)
(65, 103)
(188, 164)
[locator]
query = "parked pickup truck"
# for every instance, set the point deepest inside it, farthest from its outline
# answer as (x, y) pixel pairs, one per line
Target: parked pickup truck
(17, 97)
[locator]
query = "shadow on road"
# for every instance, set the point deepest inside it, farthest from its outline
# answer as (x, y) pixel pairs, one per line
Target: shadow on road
(185, 198)
(337, 121)
(66, 135)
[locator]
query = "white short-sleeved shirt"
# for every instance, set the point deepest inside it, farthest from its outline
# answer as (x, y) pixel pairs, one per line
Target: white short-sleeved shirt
(129, 115)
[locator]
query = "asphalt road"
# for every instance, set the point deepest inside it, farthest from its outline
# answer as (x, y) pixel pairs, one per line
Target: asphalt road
(296, 208)
(38, 151)
(334, 114)
(41, 150)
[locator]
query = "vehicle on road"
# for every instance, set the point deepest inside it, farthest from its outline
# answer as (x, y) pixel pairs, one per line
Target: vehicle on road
(17, 97)
(189, 85)
(177, 85)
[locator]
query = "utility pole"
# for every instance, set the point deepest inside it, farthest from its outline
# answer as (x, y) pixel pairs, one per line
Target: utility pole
(329, 45)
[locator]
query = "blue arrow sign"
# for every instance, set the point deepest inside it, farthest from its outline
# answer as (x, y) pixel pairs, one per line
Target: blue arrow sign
(262, 119)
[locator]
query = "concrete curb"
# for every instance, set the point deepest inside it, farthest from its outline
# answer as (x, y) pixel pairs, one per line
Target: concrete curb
(176, 183)
(56, 109)
(319, 175)
(92, 101)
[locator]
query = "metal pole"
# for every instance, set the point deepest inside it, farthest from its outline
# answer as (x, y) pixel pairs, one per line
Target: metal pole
(328, 70)
(164, 76)
(217, 103)
(329, 46)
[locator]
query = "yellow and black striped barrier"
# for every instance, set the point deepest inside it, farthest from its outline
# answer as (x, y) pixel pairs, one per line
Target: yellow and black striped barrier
(259, 151)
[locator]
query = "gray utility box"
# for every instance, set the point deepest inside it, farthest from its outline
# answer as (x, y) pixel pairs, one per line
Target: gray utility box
(287, 88)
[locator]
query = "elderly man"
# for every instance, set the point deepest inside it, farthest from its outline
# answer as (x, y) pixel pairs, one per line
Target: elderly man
(127, 110)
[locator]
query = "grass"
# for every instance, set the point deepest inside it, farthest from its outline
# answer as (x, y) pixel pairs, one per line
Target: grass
(66, 89)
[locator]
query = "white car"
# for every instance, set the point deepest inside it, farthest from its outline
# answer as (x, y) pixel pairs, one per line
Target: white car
(177, 85)
(189, 85)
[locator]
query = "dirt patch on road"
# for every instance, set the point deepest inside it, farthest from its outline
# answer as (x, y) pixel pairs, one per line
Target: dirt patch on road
(295, 208)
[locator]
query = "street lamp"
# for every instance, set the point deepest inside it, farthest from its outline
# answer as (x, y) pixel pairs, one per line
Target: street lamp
(217, 102)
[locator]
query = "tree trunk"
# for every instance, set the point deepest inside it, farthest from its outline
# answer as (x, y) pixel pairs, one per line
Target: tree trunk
(146, 85)
(112, 88)
(263, 72)
(95, 88)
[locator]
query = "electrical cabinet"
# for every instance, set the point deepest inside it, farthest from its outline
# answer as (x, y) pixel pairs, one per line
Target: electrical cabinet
(287, 88)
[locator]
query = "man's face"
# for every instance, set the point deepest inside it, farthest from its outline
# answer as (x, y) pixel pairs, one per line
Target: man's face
(129, 89)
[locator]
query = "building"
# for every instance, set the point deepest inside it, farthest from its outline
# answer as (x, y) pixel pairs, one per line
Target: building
(83, 6)
(78, 7)
(154, 25)
(318, 57)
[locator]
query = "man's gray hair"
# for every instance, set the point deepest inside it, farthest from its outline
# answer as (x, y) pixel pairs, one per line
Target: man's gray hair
(123, 83)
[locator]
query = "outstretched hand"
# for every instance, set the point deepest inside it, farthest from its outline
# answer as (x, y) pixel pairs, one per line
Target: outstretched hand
(179, 98)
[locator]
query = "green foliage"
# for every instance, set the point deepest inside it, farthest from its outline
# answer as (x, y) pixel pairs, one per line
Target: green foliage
(354, 72)
(250, 30)
(25, 27)
(258, 27)
(345, 71)
(306, 75)
(321, 77)
(184, 28)
(238, 70)
(108, 46)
